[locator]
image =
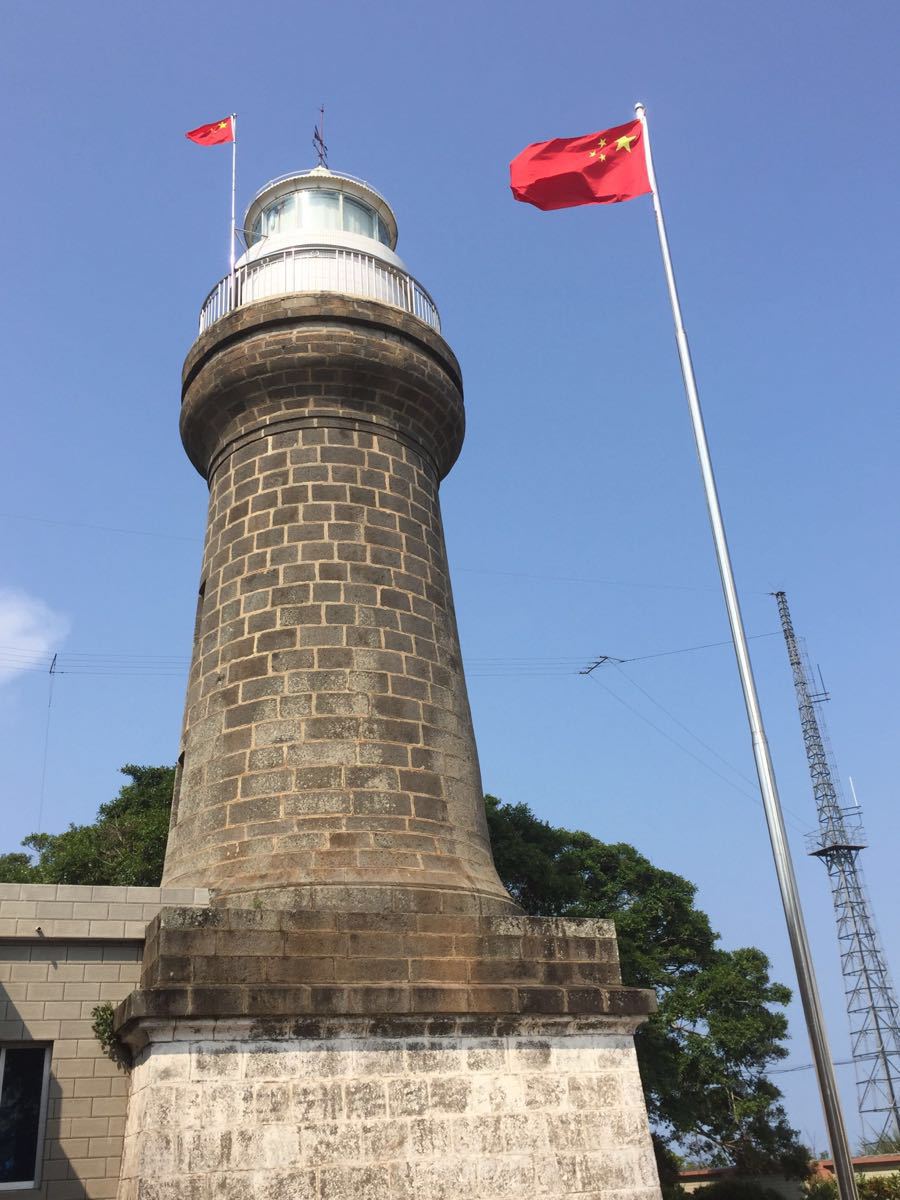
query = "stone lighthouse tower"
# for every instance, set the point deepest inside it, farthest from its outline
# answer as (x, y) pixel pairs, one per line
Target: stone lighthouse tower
(363, 1011)
(328, 755)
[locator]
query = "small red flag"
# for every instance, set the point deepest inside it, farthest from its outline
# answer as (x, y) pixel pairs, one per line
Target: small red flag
(214, 134)
(599, 168)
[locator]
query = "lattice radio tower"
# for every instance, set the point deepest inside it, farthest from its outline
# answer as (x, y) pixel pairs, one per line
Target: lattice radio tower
(871, 1001)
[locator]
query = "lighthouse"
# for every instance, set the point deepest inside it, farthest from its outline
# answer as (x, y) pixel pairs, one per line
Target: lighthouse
(362, 1012)
(328, 758)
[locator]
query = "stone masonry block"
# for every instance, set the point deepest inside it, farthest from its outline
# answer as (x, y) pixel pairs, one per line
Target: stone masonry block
(350, 1113)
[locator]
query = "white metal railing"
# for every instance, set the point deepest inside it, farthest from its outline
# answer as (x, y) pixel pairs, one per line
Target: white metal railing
(319, 269)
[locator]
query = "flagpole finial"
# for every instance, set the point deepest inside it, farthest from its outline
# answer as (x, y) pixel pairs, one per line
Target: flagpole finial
(639, 108)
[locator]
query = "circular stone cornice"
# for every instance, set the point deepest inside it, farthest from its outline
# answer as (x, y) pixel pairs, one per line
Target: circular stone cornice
(315, 356)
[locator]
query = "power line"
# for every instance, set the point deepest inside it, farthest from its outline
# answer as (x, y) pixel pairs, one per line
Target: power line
(839, 1062)
(110, 664)
(626, 583)
(179, 537)
(52, 674)
(73, 662)
(797, 823)
(754, 798)
(173, 537)
(681, 725)
(688, 649)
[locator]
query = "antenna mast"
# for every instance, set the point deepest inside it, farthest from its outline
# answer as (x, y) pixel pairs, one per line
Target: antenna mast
(871, 1001)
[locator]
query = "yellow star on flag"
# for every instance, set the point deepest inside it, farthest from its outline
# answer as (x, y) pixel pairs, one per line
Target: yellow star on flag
(624, 143)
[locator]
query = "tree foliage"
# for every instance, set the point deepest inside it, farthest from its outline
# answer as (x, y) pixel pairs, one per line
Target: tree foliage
(124, 846)
(870, 1187)
(886, 1143)
(703, 1056)
(720, 1024)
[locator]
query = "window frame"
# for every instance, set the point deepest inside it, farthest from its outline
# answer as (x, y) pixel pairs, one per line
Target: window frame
(24, 1185)
(380, 231)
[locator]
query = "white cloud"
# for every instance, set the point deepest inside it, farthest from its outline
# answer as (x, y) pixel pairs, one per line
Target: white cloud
(30, 633)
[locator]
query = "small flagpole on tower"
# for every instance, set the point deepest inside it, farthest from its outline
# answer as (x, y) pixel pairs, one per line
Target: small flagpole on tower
(784, 867)
(232, 297)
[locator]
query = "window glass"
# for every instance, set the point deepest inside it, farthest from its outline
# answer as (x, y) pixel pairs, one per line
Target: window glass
(279, 215)
(21, 1091)
(358, 218)
(383, 233)
(256, 231)
(321, 210)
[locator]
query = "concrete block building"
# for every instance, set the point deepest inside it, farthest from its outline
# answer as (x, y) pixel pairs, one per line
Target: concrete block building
(64, 950)
(360, 1011)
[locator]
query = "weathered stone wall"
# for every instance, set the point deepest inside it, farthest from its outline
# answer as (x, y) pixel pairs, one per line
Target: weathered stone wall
(220, 1111)
(363, 1056)
(328, 744)
(227, 962)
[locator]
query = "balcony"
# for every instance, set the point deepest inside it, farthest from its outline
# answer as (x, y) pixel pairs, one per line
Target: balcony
(841, 829)
(319, 269)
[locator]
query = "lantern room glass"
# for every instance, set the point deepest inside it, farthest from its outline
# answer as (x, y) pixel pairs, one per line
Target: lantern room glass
(309, 209)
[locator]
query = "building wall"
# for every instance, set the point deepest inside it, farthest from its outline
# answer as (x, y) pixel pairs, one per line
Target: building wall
(63, 950)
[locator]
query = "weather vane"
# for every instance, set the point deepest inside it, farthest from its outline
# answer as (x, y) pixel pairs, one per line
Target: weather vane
(318, 140)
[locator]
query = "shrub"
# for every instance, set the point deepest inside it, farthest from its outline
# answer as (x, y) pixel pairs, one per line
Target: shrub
(736, 1189)
(103, 1026)
(871, 1187)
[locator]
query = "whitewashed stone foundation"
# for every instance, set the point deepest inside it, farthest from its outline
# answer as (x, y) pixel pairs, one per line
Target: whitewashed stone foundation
(232, 1111)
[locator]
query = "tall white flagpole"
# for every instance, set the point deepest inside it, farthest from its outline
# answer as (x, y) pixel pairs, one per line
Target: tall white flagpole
(233, 298)
(784, 868)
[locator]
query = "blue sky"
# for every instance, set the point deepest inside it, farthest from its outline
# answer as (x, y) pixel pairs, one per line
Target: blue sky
(575, 517)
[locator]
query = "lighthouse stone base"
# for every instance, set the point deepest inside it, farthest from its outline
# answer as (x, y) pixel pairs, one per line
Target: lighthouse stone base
(518, 1079)
(554, 1109)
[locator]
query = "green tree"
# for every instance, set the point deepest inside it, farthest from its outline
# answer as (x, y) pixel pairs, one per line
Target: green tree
(124, 846)
(703, 1056)
(17, 868)
(720, 1025)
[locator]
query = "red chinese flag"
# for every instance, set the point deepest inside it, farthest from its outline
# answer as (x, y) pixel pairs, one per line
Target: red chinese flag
(214, 134)
(599, 168)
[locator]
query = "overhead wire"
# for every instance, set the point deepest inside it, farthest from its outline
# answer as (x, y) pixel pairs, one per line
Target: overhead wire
(174, 537)
(754, 798)
(837, 1062)
(669, 587)
(697, 738)
(180, 537)
(110, 664)
(40, 816)
(73, 662)
(702, 646)
(681, 725)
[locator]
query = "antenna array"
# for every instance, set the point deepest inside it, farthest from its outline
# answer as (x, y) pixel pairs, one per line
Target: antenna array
(871, 1000)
